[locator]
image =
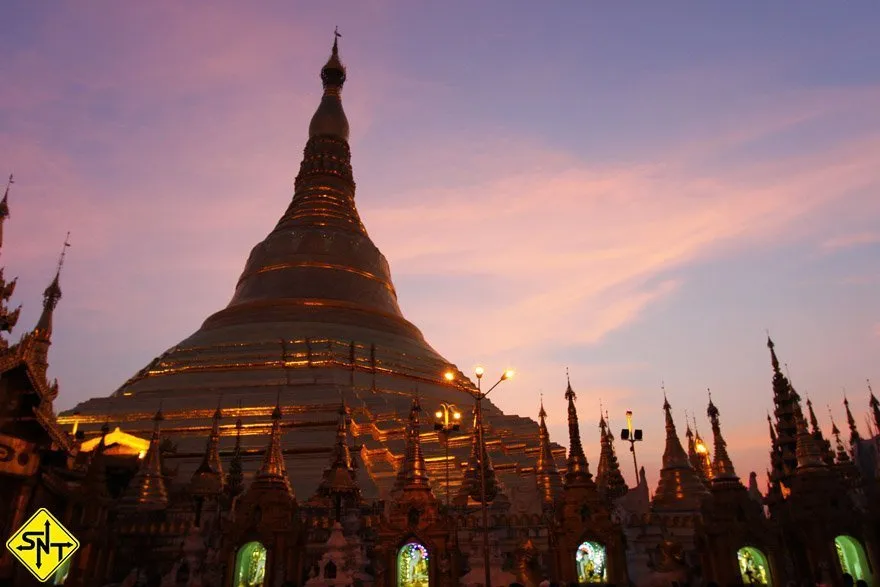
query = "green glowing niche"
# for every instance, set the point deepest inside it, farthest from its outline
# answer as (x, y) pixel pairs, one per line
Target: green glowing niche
(591, 563)
(753, 566)
(852, 559)
(250, 565)
(412, 566)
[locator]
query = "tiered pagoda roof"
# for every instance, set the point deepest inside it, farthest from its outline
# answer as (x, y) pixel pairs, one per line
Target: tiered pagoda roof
(314, 314)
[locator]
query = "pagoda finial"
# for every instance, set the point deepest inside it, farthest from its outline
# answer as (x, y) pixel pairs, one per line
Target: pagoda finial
(680, 487)
(875, 407)
(809, 457)
(8, 318)
(415, 472)
(577, 468)
(51, 295)
(147, 490)
(470, 485)
(854, 436)
(329, 120)
(609, 479)
(4, 210)
(235, 478)
(722, 466)
(4, 207)
(549, 480)
(208, 477)
(273, 472)
(823, 445)
(842, 455)
(774, 362)
(339, 483)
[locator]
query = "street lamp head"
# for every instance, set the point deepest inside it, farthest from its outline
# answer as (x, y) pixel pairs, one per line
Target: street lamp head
(438, 414)
(479, 372)
(508, 374)
(449, 376)
(456, 415)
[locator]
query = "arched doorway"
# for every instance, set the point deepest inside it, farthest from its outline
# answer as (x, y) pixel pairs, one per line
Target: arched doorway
(250, 565)
(413, 566)
(591, 563)
(852, 558)
(753, 566)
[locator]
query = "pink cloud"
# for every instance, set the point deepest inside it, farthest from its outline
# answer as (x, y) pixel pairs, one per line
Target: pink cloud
(848, 241)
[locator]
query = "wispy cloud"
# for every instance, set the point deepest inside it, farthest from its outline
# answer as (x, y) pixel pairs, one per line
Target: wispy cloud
(847, 241)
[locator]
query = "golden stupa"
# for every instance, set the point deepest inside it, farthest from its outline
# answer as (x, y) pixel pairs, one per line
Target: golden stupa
(314, 322)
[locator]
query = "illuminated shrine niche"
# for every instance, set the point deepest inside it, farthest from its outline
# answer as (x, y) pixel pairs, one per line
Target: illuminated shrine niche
(412, 566)
(591, 563)
(250, 565)
(63, 571)
(753, 566)
(852, 558)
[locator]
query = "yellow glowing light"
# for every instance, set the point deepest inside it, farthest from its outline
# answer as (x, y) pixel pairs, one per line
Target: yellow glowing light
(700, 448)
(449, 375)
(508, 374)
(142, 454)
(438, 414)
(479, 371)
(118, 437)
(457, 415)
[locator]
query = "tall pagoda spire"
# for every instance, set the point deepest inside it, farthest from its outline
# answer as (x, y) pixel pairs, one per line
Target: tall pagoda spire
(235, 477)
(208, 477)
(786, 402)
(339, 482)
(273, 472)
(147, 490)
(609, 479)
(8, 318)
(549, 480)
(679, 488)
(43, 331)
(470, 485)
(842, 455)
(722, 466)
(809, 455)
(415, 471)
(875, 407)
(4, 207)
(823, 444)
(577, 468)
(699, 459)
(854, 436)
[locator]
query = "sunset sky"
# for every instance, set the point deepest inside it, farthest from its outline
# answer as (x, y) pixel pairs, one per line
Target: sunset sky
(634, 192)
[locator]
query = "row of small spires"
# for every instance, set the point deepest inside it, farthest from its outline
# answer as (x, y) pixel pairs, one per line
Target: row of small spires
(148, 489)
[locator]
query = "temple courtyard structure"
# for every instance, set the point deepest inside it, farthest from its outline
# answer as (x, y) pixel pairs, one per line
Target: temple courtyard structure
(301, 436)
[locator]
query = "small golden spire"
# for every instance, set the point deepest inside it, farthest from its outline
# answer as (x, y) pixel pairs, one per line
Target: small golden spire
(208, 477)
(147, 491)
(577, 468)
(549, 480)
(722, 466)
(273, 473)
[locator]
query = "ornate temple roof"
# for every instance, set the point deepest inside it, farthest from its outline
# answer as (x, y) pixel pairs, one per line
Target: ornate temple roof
(679, 488)
(313, 314)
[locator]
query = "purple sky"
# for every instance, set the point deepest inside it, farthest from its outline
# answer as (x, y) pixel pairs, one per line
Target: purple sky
(636, 194)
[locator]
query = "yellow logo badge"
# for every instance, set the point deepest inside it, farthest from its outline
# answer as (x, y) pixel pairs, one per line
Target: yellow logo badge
(42, 544)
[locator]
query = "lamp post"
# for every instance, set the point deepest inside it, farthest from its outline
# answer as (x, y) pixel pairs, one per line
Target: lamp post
(631, 436)
(479, 396)
(448, 418)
